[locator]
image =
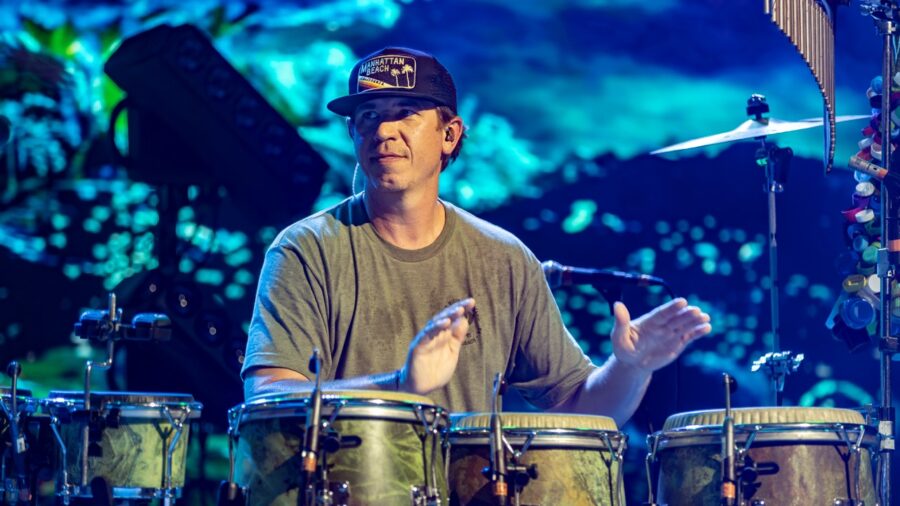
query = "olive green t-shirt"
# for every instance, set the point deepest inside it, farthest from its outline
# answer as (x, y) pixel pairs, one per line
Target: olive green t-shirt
(330, 282)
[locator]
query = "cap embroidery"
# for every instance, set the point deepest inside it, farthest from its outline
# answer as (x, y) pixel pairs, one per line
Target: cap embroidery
(387, 71)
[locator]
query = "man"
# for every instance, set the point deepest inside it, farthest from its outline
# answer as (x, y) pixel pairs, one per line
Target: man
(364, 282)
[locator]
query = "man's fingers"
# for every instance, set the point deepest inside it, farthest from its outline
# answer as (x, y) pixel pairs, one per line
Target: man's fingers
(459, 328)
(456, 309)
(437, 325)
(620, 311)
(686, 318)
(668, 310)
(696, 332)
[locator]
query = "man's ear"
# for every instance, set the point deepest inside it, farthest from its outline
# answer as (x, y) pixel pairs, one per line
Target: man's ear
(453, 131)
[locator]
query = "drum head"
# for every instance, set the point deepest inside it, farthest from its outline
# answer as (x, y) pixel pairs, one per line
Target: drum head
(535, 421)
(765, 416)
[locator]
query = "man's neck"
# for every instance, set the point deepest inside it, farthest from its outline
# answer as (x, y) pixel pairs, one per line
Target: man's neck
(404, 220)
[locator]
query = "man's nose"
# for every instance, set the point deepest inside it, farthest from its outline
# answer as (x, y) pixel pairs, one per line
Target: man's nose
(385, 130)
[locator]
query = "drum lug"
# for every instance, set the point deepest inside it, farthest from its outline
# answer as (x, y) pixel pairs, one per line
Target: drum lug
(339, 493)
(419, 497)
(758, 502)
(840, 501)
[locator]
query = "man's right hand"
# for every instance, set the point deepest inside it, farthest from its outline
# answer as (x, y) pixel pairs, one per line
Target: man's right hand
(434, 353)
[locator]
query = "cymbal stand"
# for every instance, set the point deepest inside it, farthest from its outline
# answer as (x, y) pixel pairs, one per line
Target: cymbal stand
(885, 14)
(776, 162)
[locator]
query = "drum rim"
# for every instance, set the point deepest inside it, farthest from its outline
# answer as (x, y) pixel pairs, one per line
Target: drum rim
(527, 431)
(356, 407)
(25, 404)
(129, 492)
(697, 435)
(557, 438)
(151, 409)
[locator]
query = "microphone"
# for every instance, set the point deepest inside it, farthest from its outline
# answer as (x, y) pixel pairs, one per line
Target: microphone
(562, 275)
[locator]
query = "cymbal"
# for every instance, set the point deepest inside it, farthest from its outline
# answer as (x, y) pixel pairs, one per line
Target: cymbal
(753, 128)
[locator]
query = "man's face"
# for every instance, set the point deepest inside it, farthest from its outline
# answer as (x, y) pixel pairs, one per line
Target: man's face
(399, 143)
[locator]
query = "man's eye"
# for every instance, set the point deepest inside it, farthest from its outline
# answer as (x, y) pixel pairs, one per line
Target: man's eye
(407, 112)
(368, 115)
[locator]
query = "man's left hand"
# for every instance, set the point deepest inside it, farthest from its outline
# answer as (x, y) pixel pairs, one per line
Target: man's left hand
(655, 339)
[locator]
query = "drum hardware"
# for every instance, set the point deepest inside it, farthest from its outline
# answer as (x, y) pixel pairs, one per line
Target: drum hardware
(854, 450)
(229, 493)
(649, 460)
(431, 490)
(64, 489)
(320, 440)
(777, 366)
(15, 489)
(728, 490)
(616, 453)
(496, 472)
(314, 485)
(885, 14)
(177, 426)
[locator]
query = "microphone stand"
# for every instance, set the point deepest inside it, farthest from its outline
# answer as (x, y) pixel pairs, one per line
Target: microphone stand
(885, 14)
(312, 488)
(497, 470)
(729, 481)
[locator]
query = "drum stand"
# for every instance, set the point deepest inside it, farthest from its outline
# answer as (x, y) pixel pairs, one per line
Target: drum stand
(106, 326)
(885, 14)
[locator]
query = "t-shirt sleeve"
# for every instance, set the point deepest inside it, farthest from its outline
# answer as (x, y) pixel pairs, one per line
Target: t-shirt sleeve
(548, 364)
(289, 314)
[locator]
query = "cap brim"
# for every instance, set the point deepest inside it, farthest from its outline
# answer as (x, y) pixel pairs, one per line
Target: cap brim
(345, 106)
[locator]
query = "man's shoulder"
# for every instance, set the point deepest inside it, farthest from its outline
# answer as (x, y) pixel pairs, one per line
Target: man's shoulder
(327, 224)
(484, 231)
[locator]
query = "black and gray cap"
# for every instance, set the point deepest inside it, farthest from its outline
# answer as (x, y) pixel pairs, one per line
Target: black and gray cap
(397, 72)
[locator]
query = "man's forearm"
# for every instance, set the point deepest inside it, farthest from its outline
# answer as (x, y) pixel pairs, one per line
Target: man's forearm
(262, 386)
(614, 389)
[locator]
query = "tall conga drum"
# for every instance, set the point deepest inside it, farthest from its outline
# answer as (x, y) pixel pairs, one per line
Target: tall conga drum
(379, 447)
(787, 456)
(568, 459)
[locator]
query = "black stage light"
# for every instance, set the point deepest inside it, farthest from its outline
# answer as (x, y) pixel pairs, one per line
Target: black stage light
(193, 119)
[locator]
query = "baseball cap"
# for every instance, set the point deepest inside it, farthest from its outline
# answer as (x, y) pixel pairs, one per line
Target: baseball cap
(397, 72)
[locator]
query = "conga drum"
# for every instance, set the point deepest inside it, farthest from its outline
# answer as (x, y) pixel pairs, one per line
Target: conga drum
(568, 459)
(787, 456)
(383, 447)
(136, 445)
